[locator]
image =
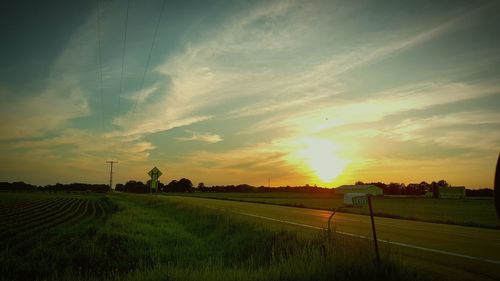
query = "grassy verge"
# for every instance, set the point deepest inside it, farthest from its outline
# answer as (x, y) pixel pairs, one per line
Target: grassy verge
(466, 212)
(142, 238)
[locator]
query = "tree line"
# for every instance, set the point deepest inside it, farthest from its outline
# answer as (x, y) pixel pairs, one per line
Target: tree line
(182, 185)
(424, 187)
(186, 185)
(82, 187)
(248, 188)
(409, 189)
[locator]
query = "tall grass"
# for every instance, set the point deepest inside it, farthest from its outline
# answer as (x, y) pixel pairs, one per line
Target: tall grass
(150, 239)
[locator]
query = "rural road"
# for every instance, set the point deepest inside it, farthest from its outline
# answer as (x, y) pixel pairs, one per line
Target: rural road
(448, 250)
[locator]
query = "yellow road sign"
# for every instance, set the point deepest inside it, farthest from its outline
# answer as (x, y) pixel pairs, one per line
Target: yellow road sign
(155, 173)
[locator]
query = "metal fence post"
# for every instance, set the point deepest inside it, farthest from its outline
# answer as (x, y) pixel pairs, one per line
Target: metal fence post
(373, 229)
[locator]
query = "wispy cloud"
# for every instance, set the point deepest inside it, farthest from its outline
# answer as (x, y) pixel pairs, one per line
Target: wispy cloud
(211, 73)
(459, 129)
(253, 164)
(197, 78)
(203, 137)
(376, 106)
(86, 143)
(75, 155)
(34, 116)
(63, 98)
(291, 69)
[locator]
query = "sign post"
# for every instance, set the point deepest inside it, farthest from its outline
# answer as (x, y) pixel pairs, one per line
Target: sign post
(360, 201)
(373, 228)
(155, 173)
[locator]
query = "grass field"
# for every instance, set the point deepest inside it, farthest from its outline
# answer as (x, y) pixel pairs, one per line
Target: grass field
(134, 237)
(433, 247)
(468, 212)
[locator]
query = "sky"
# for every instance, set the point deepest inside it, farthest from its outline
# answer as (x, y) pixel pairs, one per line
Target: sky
(230, 92)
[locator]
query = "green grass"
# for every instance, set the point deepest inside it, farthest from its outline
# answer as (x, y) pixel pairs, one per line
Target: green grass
(135, 237)
(468, 212)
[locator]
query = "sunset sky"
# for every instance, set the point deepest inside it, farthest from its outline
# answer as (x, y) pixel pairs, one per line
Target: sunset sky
(229, 92)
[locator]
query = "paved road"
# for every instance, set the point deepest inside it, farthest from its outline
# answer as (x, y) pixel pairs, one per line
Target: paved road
(469, 252)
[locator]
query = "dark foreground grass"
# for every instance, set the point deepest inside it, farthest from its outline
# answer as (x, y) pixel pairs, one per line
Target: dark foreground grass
(143, 238)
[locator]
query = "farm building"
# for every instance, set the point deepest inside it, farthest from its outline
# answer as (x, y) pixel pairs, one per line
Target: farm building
(456, 192)
(359, 188)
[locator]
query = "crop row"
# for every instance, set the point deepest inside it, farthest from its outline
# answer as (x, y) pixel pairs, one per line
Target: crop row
(31, 220)
(8, 207)
(13, 210)
(37, 213)
(19, 214)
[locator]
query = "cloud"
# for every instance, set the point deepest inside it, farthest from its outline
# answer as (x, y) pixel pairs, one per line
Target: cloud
(368, 52)
(467, 129)
(209, 73)
(203, 137)
(62, 99)
(243, 60)
(253, 164)
(375, 107)
(284, 66)
(34, 116)
(85, 143)
(142, 95)
(74, 155)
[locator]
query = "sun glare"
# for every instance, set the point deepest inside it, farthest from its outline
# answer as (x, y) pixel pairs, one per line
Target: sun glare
(322, 157)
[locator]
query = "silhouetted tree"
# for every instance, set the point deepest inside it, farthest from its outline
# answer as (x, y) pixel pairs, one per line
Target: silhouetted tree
(425, 186)
(394, 188)
(16, 186)
(186, 184)
(482, 192)
(76, 187)
(443, 183)
(435, 189)
(183, 185)
(161, 187)
(134, 187)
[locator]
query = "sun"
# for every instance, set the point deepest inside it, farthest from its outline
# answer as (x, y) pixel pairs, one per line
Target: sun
(322, 158)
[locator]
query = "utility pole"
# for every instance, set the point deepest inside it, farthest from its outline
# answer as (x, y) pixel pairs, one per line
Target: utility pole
(111, 173)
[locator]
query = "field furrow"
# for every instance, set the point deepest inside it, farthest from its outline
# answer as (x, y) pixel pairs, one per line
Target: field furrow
(7, 207)
(36, 214)
(29, 209)
(31, 223)
(66, 217)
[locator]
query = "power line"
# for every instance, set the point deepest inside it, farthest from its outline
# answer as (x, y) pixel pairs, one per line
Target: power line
(111, 173)
(123, 59)
(150, 52)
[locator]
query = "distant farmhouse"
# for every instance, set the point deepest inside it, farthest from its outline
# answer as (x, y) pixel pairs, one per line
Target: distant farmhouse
(359, 188)
(455, 192)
